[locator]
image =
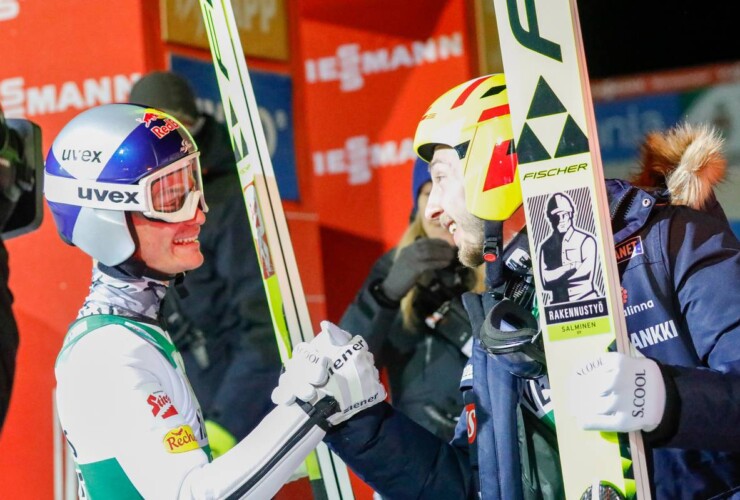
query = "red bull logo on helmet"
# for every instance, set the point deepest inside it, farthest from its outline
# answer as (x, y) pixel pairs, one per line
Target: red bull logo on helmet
(151, 116)
(163, 130)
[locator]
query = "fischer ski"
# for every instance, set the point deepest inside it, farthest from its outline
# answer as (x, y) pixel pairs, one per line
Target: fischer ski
(560, 172)
(329, 476)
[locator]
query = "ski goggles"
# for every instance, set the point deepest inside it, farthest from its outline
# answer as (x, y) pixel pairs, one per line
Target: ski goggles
(170, 194)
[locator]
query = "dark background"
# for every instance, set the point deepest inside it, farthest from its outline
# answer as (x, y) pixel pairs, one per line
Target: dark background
(628, 37)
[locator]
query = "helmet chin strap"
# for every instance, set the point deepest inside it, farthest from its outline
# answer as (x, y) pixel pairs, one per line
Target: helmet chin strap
(509, 331)
(493, 247)
(134, 266)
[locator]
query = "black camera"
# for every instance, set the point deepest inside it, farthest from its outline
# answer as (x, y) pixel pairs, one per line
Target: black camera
(21, 177)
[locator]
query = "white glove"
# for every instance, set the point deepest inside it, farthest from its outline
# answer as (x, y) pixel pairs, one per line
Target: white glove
(617, 393)
(334, 364)
(304, 371)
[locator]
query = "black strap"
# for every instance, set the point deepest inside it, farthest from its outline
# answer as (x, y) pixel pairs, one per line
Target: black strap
(492, 251)
(376, 290)
(317, 415)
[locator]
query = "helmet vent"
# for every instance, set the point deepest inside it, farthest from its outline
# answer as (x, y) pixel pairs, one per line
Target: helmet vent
(494, 91)
(462, 149)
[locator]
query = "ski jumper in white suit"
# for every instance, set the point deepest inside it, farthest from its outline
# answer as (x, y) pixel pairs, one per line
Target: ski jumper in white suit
(132, 421)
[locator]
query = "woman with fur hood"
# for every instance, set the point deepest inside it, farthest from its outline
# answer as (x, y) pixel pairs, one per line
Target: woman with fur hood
(680, 277)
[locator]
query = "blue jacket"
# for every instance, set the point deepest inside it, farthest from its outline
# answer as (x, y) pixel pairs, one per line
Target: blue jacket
(423, 364)
(676, 256)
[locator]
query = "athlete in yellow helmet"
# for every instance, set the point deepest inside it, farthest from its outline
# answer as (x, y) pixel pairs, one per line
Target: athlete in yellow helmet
(470, 124)
(466, 136)
(504, 445)
(473, 119)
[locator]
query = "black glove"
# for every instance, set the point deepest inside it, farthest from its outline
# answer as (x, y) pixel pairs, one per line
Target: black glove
(422, 255)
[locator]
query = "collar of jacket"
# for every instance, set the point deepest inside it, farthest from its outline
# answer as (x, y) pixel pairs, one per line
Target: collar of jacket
(629, 207)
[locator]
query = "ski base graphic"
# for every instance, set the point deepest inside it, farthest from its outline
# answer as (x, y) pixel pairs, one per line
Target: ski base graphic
(328, 474)
(578, 292)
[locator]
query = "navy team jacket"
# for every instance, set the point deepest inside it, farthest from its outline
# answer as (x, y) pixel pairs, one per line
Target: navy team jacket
(680, 274)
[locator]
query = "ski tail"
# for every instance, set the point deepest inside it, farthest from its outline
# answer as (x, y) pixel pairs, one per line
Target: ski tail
(329, 475)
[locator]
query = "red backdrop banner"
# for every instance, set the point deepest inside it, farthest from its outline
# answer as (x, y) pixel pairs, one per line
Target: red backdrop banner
(368, 76)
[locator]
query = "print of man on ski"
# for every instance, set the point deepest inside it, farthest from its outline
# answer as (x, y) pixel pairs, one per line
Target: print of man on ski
(568, 256)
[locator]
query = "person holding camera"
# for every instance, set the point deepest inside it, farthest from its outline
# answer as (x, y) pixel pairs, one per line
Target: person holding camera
(20, 159)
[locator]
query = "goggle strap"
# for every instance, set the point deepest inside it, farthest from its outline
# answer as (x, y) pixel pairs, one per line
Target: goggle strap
(95, 194)
(90, 193)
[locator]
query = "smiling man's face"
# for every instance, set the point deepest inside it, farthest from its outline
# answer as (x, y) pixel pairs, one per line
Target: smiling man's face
(446, 205)
(169, 248)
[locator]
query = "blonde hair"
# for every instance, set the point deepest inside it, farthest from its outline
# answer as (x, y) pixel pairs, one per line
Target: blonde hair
(414, 231)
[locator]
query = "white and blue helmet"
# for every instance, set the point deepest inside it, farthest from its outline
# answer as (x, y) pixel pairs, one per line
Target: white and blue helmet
(114, 159)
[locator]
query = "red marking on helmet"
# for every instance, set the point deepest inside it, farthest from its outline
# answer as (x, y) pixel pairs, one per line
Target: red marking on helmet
(469, 90)
(148, 118)
(501, 167)
(494, 112)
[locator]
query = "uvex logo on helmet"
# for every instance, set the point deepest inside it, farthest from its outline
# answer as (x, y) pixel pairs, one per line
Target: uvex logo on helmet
(90, 197)
(124, 197)
(86, 155)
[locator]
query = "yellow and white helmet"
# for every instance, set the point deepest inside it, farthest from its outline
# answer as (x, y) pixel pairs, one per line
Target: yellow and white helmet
(474, 119)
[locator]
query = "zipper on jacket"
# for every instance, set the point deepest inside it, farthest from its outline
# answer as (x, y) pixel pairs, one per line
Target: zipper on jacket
(620, 210)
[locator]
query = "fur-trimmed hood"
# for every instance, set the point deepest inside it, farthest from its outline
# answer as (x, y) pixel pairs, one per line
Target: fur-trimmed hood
(686, 160)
